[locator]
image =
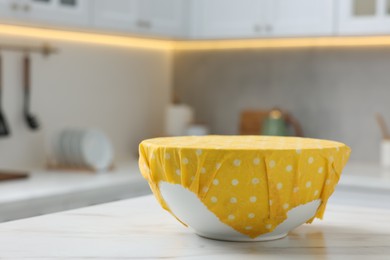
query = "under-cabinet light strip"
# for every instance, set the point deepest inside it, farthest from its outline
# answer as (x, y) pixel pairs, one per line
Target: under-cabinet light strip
(135, 42)
(285, 43)
(95, 38)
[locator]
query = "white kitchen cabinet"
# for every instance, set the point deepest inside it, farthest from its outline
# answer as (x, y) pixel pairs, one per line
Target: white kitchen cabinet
(262, 18)
(147, 17)
(361, 17)
(59, 12)
(300, 17)
(228, 18)
(11, 10)
(164, 17)
(73, 13)
(119, 15)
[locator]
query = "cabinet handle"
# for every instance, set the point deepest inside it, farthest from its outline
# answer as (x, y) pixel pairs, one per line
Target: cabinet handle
(258, 28)
(148, 24)
(140, 23)
(143, 24)
(26, 7)
(14, 6)
(268, 28)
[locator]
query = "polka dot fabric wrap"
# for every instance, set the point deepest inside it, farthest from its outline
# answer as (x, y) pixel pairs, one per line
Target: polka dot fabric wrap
(248, 182)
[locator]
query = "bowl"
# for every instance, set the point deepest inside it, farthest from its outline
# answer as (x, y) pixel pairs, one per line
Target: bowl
(242, 188)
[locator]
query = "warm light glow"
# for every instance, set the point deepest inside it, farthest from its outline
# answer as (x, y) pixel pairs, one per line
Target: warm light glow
(284, 43)
(135, 42)
(113, 40)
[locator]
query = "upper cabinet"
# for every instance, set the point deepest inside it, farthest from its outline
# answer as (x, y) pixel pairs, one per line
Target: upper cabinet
(262, 18)
(120, 16)
(164, 17)
(300, 17)
(359, 17)
(73, 13)
(147, 17)
(206, 19)
(61, 12)
(10, 10)
(227, 18)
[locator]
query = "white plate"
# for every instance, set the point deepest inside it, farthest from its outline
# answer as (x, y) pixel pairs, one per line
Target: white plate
(96, 150)
(67, 147)
(74, 147)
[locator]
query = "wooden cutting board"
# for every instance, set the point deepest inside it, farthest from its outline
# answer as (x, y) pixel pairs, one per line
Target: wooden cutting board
(9, 175)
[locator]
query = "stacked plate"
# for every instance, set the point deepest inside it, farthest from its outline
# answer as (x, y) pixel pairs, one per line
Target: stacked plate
(84, 148)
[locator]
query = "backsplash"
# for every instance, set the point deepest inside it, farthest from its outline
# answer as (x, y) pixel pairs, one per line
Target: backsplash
(334, 93)
(84, 85)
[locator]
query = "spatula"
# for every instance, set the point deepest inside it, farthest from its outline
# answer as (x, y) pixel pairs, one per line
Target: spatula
(4, 130)
(31, 120)
(383, 126)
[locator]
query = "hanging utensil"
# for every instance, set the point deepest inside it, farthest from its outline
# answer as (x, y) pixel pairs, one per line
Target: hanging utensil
(4, 130)
(31, 120)
(382, 126)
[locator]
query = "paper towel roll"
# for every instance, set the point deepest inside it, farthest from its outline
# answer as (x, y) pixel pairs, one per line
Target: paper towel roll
(385, 153)
(177, 119)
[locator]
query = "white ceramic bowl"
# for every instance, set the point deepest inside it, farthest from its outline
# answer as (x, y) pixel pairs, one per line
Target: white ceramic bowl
(191, 211)
(242, 188)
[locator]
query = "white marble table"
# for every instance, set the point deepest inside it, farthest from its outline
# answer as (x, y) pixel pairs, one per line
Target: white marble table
(139, 229)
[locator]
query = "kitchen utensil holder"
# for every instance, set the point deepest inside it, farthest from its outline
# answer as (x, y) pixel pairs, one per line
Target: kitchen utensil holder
(45, 49)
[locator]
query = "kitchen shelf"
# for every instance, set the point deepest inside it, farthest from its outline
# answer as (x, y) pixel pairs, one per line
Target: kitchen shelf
(51, 191)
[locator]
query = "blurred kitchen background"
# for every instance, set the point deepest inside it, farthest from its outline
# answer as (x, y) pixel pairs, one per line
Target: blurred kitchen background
(136, 69)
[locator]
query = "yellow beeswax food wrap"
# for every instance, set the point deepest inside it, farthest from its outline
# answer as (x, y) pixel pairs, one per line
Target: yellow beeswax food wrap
(264, 176)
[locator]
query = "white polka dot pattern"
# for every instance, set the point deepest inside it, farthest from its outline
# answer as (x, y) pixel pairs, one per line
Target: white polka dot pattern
(272, 164)
(237, 162)
(255, 181)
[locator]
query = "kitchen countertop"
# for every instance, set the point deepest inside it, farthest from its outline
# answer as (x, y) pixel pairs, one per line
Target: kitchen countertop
(50, 191)
(364, 183)
(366, 175)
(139, 229)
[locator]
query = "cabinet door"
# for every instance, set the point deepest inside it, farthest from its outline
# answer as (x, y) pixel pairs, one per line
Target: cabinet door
(11, 10)
(300, 17)
(58, 12)
(162, 17)
(229, 18)
(359, 17)
(118, 15)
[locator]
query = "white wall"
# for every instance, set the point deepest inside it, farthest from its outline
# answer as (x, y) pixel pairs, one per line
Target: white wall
(333, 92)
(120, 90)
